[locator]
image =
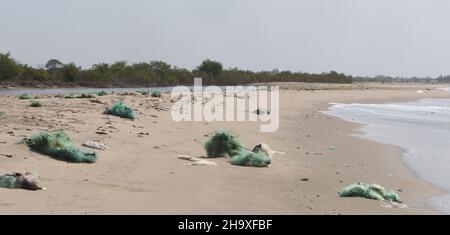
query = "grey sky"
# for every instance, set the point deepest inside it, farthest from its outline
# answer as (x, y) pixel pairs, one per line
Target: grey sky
(358, 37)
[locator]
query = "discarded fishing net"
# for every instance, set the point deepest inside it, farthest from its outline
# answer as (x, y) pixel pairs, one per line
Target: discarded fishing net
(251, 158)
(121, 110)
(28, 181)
(102, 93)
(35, 104)
(85, 96)
(156, 94)
(26, 97)
(372, 191)
(222, 144)
(58, 145)
(144, 93)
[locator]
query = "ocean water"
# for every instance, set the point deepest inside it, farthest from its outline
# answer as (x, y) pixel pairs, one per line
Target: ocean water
(421, 128)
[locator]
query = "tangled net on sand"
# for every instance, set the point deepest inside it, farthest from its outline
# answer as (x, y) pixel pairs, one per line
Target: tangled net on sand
(369, 191)
(223, 144)
(29, 181)
(58, 145)
(121, 110)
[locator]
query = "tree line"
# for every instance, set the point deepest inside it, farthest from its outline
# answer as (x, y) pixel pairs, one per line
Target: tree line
(153, 73)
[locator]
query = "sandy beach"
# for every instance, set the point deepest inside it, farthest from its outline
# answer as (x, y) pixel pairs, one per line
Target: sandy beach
(141, 174)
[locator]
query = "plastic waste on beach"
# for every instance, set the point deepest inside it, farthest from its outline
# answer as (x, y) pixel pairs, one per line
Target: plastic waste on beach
(156, 94)
(58, 145)
(35, 104)
(223, 144)
(369, 191)
(29, 181)
(95, 145)
(121, 110)
(196, 161)
(26, 97)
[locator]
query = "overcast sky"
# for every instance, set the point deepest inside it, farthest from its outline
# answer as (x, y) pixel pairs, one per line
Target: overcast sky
(358, 37)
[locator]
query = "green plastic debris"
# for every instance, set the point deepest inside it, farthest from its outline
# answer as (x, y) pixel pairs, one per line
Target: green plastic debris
(222, 144)
(7, 181)
(58, 145)
(35, 104)
(250, 158)
(29, 181)
(156, 94)
(369, 191)
(102, 93)
(121, 110)
(331, 148)
(85, 96)
(2, 113)
(26, 97)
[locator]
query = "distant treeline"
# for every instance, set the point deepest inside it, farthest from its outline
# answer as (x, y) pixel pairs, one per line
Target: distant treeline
(387, 79)
(153, 73)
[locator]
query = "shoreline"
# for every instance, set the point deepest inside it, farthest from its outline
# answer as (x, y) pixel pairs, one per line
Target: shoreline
(142, 175)
(399, 152)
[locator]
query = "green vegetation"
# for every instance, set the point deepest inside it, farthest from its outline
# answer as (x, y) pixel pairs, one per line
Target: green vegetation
(58, 145)
(156, 94)
(153, 73)
(121, 110)
(372, 191)
(35, 104)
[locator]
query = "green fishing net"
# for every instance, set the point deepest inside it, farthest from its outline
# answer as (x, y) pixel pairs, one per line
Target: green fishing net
(102, 93)
(156, 94)
(249, 158)
(35, 104)
(58, 145)
(121, 110)
(26, 97)
(222, 144)
(372, 191)
(85, 96)
(8, 181)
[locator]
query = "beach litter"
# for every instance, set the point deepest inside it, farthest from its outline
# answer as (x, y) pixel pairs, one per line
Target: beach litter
(28, 181)
(58, 145)
(196, 161)
(102, 93)
(156, 94)
(262, 111)
(26, 97)
(121, 110)
(35, 104)
(369, 191)
(223, 144)
(332, 148)
(2, 114)
(95, 145)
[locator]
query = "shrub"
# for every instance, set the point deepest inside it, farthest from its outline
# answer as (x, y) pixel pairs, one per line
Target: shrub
(25, 97)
